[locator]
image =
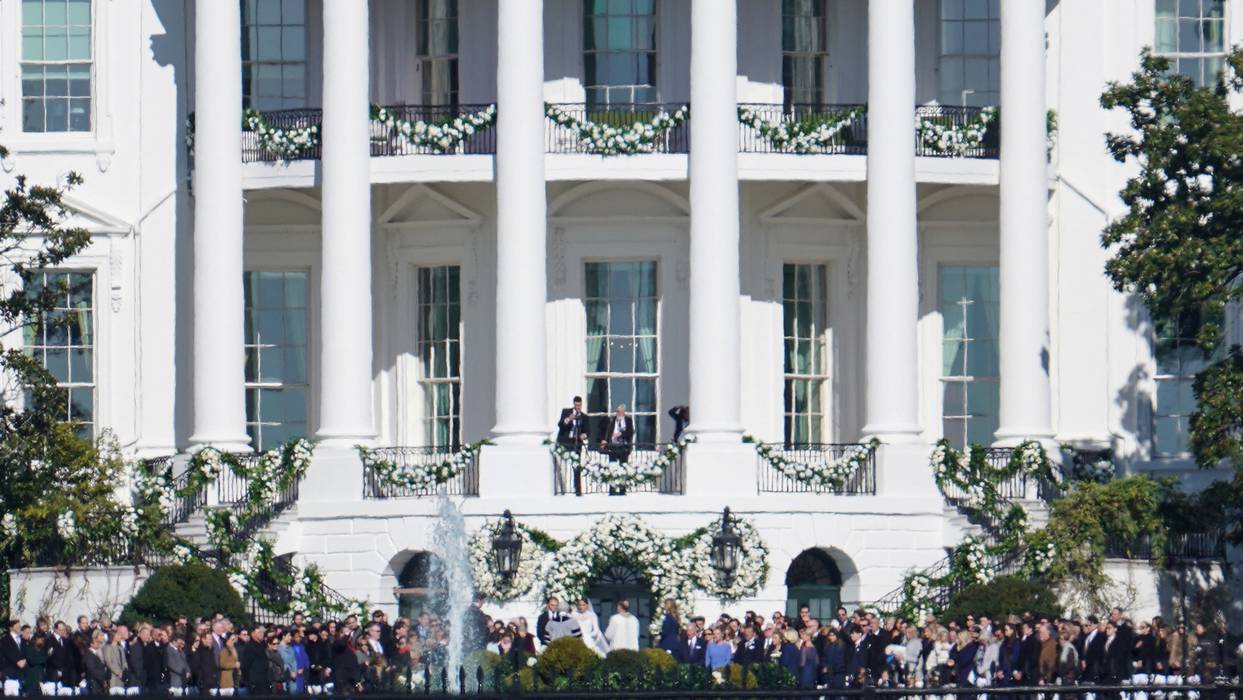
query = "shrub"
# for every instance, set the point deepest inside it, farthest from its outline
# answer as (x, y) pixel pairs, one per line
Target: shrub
(1003, 596)
(193, 590)
(565, 660)
(773, 677)
(624, 669)
(660, 660)
(688, 677)
(738, 677)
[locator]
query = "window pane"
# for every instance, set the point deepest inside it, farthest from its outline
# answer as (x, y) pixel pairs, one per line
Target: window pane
(622, 352)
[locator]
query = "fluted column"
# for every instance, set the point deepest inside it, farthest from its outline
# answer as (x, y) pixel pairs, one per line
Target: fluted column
(1024, 305)
(715, 367)
(892, 250)
(219, 373)
(521, 371)
(345, 400)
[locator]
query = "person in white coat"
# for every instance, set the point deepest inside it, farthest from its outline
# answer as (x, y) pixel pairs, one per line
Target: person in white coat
(623, 631)
(589, 622)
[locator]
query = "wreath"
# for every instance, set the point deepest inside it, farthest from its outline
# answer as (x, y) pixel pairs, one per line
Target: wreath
(493, 585)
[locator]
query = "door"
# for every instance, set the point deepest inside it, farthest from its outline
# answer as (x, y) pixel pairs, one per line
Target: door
(621, 582)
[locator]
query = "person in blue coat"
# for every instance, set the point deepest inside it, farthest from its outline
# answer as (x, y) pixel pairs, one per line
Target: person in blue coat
(671, 630)
(719, 652)
(809, 662)
(788, 656)
(833, 659)
(962, 659)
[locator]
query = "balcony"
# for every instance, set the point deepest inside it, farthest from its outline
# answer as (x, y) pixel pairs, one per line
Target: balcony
(579, 474)
(465, 482)
(620, 130)
(815, 457)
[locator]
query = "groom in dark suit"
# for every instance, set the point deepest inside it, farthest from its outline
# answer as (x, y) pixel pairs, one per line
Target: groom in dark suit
(572, 437)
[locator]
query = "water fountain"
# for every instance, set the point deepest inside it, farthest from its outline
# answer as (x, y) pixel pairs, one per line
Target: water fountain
(451, 566)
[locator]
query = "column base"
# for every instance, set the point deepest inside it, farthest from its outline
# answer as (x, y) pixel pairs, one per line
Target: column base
(720, 434)
(515, 471)
(894, 433)
(720, 469)
(903, 470)
(335, 474)
(518, 436)
(1014, 437)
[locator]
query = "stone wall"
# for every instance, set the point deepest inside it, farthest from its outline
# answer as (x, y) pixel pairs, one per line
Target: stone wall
(64, 594)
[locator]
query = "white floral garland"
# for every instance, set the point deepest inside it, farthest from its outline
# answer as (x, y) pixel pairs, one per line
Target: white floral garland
(974, 555)
(531, 559)
(832, 475)
(440, 138)
(617, 475)
(418, 477)
(604, 140)
(795, 135)
(954, 140)
(752, 570)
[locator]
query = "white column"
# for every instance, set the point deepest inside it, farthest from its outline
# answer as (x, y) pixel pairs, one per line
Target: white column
(715, 367)
(892, 250)
(1024, 309)
(219, 396)
(521, 372)
(345, 402)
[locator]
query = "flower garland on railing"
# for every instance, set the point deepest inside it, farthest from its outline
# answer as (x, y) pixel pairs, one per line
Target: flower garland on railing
(419, 477)
(972, 484)
(675, 567)
(832, 475)
(955, 140)
(604, 140)
(798, 136)
(616, 474)
(439, 136)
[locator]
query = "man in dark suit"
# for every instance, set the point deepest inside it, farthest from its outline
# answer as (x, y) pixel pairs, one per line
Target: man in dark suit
(694, 648)
(94, 669)
(681, 416)
(1093, 651)
(60, 662)
(857, 659)
(12, 657)
(618, 440)
(751, 649)
(551, 613)
(475, 626)
(1028, 666)
(572, 437)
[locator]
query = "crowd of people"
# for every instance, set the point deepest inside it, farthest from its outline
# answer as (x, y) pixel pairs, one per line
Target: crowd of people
(215, 656)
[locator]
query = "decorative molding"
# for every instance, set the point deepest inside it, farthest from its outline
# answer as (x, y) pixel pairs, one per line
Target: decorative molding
(472, 282)
(301, 199)
(589, 188)
(419, 191)
(955, 192)
(773, 214)
(853, 263)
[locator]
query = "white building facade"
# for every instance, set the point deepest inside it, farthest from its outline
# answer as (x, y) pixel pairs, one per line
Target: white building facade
(367, 290)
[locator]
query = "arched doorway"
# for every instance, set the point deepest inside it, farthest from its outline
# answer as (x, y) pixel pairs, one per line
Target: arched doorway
(420, 586)
(621, 582)
(814, 580)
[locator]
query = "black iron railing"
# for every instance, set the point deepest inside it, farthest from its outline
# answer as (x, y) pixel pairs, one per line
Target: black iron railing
(182, 507)
(861, 482)
(941, 594)
(465, 483)
(253, 150)
(1179, 547)
(566, 139)
(392, 140)
(840, 128)
(579, 476)
(117, 550)
(959, 119)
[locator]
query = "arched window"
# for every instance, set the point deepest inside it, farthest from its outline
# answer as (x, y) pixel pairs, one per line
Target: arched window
(814, 580)
(420, 586)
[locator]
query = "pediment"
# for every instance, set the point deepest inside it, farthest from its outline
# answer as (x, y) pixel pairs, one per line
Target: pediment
(281, 208)
(82, 215)
(815, 203)
(421, 204)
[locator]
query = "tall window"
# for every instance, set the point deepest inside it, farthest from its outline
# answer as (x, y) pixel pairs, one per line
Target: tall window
(1191, 33)
(805, 308)
(273, 54)
(622, 350)
(63, 341)
(436, 50)
(440, 354)
(804, 51)
(1178, 360)
(969, 64)
(619, 51)
(275, 342)
(969, 310)
(56, 65)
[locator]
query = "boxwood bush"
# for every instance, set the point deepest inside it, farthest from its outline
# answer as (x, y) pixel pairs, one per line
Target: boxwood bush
(193, 590)
(1003, 596)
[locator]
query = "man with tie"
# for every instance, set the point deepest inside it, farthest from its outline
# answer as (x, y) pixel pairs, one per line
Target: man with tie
(695, 647)
(12, 658)
(618, 440)
(572, 437)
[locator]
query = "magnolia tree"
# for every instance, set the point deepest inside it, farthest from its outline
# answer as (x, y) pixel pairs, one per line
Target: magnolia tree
(57, 485)
(1179, 246)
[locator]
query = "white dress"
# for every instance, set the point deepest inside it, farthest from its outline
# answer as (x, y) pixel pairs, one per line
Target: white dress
(592, 636)
(623, 632)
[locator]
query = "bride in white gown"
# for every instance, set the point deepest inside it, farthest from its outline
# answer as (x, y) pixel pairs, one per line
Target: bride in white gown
(590, 624)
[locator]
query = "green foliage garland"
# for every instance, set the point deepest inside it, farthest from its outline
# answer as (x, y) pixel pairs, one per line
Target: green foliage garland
(801, 136)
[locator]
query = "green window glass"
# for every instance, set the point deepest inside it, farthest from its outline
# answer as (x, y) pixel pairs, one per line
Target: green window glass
(1191, 33)
(440, 354)
(969, 375)
(436, 50)
(56, 65)
(276, 356)
(619, 51)
(805, 313)
(623, 358)
(63, 341)
(804, 51)
(1178, 359)
(969, 64)
(273, 54)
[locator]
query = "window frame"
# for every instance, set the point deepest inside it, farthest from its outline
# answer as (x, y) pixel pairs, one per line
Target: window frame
(68, 347)
(249, 61)
(963, 56)
(1202, 56)
(820, 336)
(963, 380)
(308, 362)
(822, 56)
(597, 420)
(93, 115)
(424, 60)
(589, 89)
(426, 382)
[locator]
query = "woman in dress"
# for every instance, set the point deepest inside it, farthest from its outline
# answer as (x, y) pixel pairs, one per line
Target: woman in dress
(809, 661)
(719, 652)
(589, 623)
(671, 628)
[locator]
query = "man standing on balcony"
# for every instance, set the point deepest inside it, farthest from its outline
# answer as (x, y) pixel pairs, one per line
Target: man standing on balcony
(572, 436)
(618, 440)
